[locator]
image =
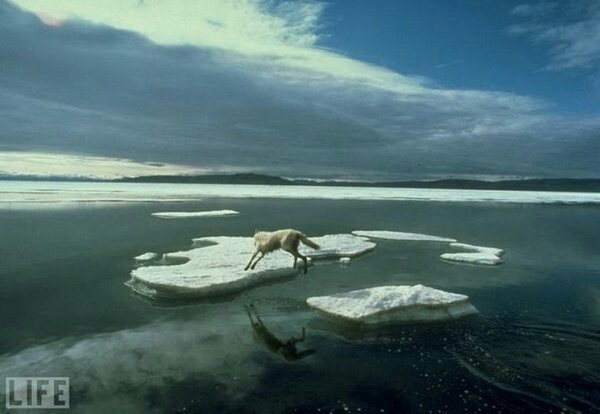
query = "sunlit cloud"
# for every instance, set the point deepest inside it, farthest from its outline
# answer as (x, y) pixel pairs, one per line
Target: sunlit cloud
(50, 20)
(78, 166)
(285, 34)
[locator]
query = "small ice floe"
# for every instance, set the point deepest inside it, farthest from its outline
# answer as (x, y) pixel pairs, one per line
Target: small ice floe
(334, 246)
(398, 235)
(146, 256)
(388, 304)
(193, 214)
(345, 260)
(476, 255)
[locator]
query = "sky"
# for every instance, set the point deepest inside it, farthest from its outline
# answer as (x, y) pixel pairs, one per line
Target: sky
(345, 89)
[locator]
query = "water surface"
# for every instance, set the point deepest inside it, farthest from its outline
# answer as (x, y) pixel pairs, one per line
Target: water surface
(535, 346)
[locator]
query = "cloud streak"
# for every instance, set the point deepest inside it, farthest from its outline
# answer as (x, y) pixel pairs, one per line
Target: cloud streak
(571, 29)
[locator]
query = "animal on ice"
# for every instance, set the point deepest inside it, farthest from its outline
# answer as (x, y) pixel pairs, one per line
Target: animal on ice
(288, 240)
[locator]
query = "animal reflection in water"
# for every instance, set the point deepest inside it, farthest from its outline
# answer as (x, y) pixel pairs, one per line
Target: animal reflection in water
(287, 349)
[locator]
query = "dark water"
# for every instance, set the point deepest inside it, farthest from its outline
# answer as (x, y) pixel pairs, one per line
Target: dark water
(534, 347)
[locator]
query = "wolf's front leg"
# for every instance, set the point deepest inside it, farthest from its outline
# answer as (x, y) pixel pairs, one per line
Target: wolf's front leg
(251, 259)
(257, 260)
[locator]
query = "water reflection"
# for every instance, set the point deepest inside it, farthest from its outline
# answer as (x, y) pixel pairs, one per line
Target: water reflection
(287, 349)
(130, 369)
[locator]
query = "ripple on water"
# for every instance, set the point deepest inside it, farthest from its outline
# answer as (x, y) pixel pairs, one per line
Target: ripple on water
(555, 363)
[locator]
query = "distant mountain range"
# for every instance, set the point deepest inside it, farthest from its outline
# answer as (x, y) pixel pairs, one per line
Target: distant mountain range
(245, 178)
(538, 184)
(591, 185)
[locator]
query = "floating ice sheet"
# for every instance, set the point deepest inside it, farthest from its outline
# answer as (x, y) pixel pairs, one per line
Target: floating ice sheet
(398, 235)
(217, 267)
(388, 304)
(146, 256)
(476, 255)
(214, 269)
(45, 194)
(335, 246)
(193, 214)
(473, 258)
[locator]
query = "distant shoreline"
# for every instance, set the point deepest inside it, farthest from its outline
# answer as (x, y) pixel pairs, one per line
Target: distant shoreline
(535, 184)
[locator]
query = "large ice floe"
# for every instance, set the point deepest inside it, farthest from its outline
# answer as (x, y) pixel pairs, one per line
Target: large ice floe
(398, 235)
(389, 304)
(194, 214)
(216, 266)
(475, 255)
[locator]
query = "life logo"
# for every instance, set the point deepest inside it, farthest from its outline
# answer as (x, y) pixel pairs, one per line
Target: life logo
(37, 392)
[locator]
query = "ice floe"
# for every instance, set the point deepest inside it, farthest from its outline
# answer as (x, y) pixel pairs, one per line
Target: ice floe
(476, 255)
(398, 235)
(334, 246)
(216, 267)
(146, 256)
(193, 214)
(45, 194)
(213, 269)
(491, 250)
(388, 304)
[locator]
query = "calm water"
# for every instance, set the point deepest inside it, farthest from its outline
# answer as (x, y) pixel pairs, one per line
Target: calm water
(535, 346)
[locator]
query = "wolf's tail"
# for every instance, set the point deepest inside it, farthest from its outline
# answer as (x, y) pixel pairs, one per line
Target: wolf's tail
(305, 240)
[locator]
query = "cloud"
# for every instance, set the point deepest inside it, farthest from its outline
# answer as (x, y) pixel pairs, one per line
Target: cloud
(245, 84)
(245, 26)
(282, 34)
(528, 10)
(572, 31)
(63, 165)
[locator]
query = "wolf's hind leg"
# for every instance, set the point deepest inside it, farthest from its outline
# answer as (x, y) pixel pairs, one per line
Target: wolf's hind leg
(297, 254)
(293, 250)
(305, 262)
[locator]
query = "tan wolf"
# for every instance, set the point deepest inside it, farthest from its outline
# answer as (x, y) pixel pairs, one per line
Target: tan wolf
(288, 240)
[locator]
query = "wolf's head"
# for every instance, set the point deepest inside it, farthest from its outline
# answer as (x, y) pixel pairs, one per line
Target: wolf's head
(261, 238)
